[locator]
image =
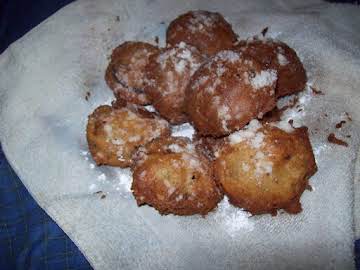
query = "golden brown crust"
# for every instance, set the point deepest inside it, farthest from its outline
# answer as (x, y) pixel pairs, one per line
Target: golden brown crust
(168, 74)
(279, 56)
(171, 175)
(264, 176)
(227, 92)
(207, 31)
(114, 133)
(125, 72)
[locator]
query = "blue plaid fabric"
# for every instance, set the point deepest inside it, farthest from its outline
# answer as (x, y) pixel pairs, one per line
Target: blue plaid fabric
(29, 238)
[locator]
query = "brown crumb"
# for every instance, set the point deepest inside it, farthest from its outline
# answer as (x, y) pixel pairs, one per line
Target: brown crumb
(316, 91)
(264, 31)
(309, 188)
(334, 140)
(348, 116)
(157, 40)
(117, 18)
(103, 196)
(325, 114)
(291, 121)
(87, 95)
(340, 124)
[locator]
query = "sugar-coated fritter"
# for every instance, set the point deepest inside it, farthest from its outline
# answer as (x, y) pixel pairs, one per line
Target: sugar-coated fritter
(173, 176)
(263, 168)
(207, 31)
(168, 74)
(280, 57)
(227, 92)
(125, 72)
(114, 133)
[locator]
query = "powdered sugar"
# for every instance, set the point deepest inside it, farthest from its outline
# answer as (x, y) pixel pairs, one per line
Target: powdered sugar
(262, 165)
(180, 66)
(258, 139)
(249, 132)
(184, 130)
(224, 115)
(283, 125)
(233, 220)
(282, 59)
(200, 20)
(180, 56)
(254, 138)
(263, 79)
(176, 148)
(227, 55)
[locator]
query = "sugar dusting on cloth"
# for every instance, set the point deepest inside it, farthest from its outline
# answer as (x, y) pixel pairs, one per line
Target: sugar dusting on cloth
(94, 205)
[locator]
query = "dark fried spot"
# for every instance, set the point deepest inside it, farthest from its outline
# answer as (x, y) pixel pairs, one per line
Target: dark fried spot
(157, 40)
(103, 196)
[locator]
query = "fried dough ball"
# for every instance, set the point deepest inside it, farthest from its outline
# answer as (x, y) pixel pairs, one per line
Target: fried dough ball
(125, 72)
(280, 57)
(113, 134)
(207, 31)
(263, 168)
(173, 176)
(168, 74)
(227, 92)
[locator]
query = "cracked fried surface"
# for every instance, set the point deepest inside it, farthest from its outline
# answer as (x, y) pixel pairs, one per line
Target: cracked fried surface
(227, 92)
(114, 133)
(280, 57)
(168, 74)
(171, 175)
(125, 72)
(264, 168)
(207, 31)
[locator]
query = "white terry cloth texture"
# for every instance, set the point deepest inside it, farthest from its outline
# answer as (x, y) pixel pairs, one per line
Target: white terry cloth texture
(43, 112)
